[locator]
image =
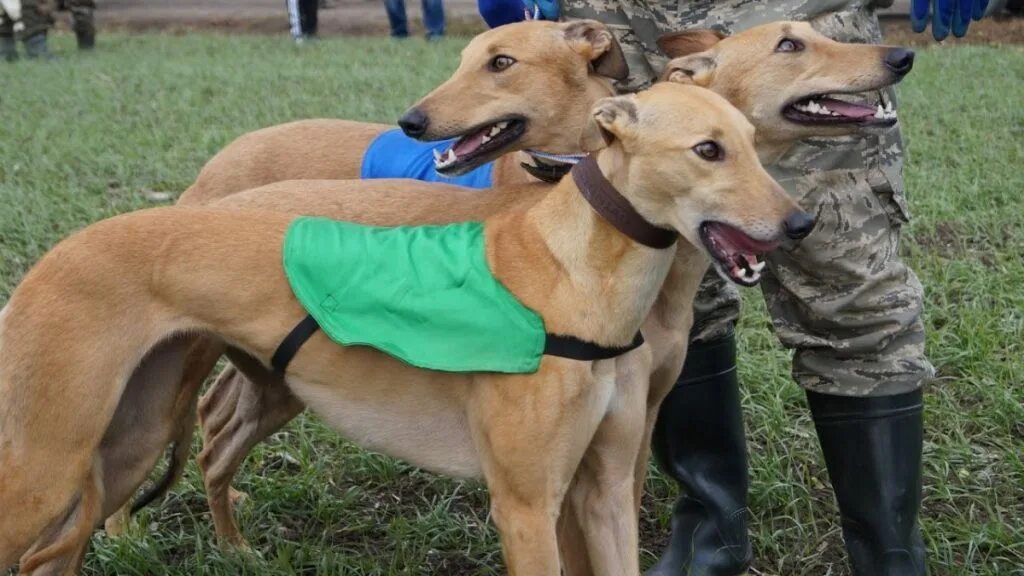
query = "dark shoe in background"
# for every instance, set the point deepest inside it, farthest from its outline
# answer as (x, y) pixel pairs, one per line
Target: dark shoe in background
(699, 441)
(872, 448)
(83, 22)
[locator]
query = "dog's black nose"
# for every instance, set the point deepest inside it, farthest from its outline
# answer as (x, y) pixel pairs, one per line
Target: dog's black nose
(899, 60)
(798, 225)
(414, 123)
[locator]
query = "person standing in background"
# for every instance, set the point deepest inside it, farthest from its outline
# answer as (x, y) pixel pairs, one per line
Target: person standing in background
(302, 19)
(433, 18)
(31, 20)
(83, 21)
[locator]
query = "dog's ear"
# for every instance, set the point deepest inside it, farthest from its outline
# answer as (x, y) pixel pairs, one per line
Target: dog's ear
(678, 44)
(611, 119)
(696, 69)
(598, 45)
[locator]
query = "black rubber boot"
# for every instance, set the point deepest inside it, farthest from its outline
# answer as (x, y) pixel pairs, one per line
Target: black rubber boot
(35, 47)
(872, 449)
(699, 441)
(84, 25)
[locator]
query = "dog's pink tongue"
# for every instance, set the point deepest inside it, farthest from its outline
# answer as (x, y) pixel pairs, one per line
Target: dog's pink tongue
(734, 240)
(469, 144)
(848, 109)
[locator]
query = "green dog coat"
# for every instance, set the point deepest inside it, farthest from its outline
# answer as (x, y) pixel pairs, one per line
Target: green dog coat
(423, 294)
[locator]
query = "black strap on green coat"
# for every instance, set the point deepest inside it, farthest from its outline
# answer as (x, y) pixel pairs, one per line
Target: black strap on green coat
(554, 345)
(576, 349)
(288, 347)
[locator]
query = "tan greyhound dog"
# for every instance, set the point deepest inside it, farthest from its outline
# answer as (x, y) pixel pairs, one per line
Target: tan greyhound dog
(236, 414)
(569, 65)
(544, 102)
(96, 324)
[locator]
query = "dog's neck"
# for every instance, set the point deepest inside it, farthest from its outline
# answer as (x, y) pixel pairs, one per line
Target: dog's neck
(544, 156)
(566, 262)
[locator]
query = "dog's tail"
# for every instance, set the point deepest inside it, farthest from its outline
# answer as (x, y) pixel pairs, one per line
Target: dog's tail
(177, 457)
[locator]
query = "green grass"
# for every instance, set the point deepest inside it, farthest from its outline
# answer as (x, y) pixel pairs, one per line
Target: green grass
(89, 137)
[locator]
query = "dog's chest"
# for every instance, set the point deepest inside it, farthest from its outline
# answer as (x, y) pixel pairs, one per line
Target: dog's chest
(422, 426)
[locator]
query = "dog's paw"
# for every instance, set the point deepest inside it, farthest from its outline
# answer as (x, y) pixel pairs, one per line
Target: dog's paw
(117, 524)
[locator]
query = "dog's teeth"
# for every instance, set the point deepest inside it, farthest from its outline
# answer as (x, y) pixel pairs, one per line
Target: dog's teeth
(485, 139)
(757, 267)
(502, 125)
(888, 107)
(880, 112)
(437, 155)
(444, 160)
(494, 131)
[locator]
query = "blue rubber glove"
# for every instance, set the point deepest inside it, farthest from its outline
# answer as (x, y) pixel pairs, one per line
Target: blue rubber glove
(500, 12)
(946, 14)
(542, 9)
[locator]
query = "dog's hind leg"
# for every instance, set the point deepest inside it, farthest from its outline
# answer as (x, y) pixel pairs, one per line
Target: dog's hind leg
(52, 423)
(244, 405)
(62, 546)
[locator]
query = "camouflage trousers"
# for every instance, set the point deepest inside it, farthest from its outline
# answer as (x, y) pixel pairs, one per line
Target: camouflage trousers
(841, 299)
(37, 15)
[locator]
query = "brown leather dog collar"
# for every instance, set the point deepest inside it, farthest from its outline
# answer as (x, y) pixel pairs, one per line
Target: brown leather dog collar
(616, 209)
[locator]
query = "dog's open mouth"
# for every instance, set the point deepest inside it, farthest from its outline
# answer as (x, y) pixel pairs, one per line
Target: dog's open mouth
(735, 254)
(479, 145)
(822, 109)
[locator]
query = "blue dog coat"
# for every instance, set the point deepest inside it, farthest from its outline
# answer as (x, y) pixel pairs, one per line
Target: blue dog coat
(395, 155)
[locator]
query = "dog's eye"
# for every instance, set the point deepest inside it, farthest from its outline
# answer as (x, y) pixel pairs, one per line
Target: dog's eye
(709, 151)
(500, 63)
(789, 45)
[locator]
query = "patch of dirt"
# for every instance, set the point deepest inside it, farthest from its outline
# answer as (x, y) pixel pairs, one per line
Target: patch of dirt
(367, 17)
(653, 537)
(949, 240)
(943, 240)
(340, 17)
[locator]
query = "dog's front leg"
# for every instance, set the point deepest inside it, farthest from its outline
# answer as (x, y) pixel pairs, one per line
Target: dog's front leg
(572, 543)
(602, 497)
(663, 378)
(531, 433)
